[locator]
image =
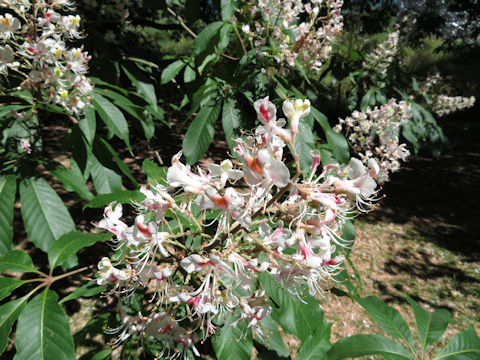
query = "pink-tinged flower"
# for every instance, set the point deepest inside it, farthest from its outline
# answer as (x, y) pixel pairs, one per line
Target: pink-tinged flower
(179, 175)
(294, 111)
(111, 219)
(264, 166)
(266, 110)
(25, 145)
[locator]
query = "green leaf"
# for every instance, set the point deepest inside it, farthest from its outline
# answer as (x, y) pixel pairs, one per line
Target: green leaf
(205, 36)
(9, 312)
(231, 344)
(43, 331)
(368, 99)
(431, 325)
(121, 165)
(72, 179)
(70, 244)
(112, 117)
(295, 317)
(45, 216)
(224, 38)
(200, 132)
(17, 261)
(338, 144)
(388, 318)
(104, 179)
(189, 75)
(172, 70)
(155, 173)
(89, 289)
(228, 8)
(120, 196)
(316, 346)
(88, 124)
(102, 354)
(8, 284)
(304, 143)
(8, 189)
(144, 89)
(463, 346)
(361, 345)
(230, 120)
(274, 340)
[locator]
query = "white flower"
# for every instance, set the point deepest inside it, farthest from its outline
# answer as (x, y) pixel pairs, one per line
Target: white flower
(294, 111)
(8, 25)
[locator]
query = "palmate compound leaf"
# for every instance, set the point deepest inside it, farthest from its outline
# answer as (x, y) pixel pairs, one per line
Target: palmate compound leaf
(388, 318)
(463, 346)
(70, 244)
(231, 343)
(43, 331)
(362, 345)
(431, 325)
(8, 188)
(45, 216)
(297, 318)
(8, 315)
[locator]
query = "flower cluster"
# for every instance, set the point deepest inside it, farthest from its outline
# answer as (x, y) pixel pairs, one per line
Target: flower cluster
(379, 60)
(201, 239)
(297, 31)
(33, 45)
(374, 135)
(445, 105)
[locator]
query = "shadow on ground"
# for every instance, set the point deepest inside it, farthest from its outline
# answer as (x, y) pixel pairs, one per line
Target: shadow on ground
(440, 197)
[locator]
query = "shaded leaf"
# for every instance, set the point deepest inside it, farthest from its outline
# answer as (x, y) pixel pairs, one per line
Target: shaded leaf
(230, 120)
(73, 180)
(172, 70)
(154, 172)
(112, 117)
(8, 190)
(45, 216)
(205, 36)
(228, 7)
(200, 133)
(274, 340)
(104, 179)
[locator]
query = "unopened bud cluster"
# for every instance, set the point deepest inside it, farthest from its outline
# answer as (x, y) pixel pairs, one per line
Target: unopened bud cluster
(374, 135)
(34, 50)
(292, 30)
(201, 238)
